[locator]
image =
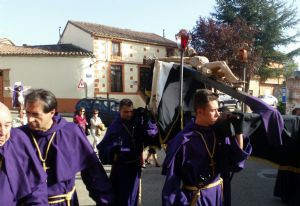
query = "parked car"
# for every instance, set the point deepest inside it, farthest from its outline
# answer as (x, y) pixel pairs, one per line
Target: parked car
(269, 99)
(226, 100)
(108, 108)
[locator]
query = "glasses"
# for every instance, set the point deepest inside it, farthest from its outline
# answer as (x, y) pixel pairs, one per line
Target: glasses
(82, 111)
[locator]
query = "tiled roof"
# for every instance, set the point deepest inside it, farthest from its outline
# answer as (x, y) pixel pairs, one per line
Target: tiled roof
(99, 30)
(6, 41)
(43, 50)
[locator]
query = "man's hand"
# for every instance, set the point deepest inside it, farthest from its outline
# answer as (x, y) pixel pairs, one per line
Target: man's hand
(237, 122)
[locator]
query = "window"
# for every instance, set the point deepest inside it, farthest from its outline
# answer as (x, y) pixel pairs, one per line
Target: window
(145, 75)
(116, 50)
(116, 78)
(114, 106)
(87, 104)
(170, 52)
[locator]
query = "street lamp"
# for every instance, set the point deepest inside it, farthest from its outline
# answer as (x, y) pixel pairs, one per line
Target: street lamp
(183, 38)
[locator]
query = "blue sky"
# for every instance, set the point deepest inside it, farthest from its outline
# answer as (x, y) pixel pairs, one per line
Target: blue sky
(36, 22)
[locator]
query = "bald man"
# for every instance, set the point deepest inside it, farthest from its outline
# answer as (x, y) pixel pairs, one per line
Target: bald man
(22, 178)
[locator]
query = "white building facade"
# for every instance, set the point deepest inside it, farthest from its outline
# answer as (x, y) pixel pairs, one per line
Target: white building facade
(118, 69)
(49, 67)
(107, 61)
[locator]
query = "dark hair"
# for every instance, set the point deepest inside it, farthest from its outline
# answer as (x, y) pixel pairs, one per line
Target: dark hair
(95, 111)
(202, 97)
(45, 96)
(125, 102)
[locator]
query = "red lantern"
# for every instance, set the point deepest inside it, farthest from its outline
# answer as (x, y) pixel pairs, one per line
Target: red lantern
(243, 54)
(183, 38)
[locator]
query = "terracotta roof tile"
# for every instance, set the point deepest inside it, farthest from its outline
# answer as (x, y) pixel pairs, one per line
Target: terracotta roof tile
(43, 50)
(6, 41)
(99, 30)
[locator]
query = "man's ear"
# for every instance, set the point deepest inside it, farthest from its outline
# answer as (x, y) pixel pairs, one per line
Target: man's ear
(199, 110)
(53, 112)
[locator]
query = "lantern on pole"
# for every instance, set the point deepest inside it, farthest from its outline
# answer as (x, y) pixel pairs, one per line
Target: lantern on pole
(183, 38)
(243, 56)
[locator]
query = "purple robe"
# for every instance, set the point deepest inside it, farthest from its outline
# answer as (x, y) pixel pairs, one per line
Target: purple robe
(123, 150)
(187, 162)
(288, 176)
(69, 153)
(271, 117)
(22, 179)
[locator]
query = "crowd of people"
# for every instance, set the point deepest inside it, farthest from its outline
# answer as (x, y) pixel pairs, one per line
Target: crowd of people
(45, 152)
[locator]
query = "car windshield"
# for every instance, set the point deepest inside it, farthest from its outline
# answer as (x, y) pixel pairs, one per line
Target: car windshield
(114, 106)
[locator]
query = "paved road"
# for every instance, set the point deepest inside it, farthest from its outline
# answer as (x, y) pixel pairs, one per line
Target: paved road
(253, 186)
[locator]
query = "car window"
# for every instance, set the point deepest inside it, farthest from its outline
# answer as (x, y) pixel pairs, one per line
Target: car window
(85, 103)
(100, 105)
(105, 105)
(114, 106)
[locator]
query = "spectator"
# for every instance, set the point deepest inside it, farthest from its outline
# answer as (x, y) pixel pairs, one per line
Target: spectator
(21, 119)
(80, 119)
(152, 153)
(96, 127)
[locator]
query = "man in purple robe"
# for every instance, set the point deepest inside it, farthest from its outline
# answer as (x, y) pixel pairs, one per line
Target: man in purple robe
(63, 150)
(122, 146)
(22, 179)
(198, 155)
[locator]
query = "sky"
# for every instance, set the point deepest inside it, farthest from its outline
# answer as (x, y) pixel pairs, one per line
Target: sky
(37, 22)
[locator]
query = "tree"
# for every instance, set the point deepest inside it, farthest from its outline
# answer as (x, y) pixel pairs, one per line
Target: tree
(220, 41)
(271, 18)
(289, 67)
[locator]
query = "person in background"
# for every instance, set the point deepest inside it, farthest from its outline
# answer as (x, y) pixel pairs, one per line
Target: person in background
(96, 127)
(22, 179)
(63, 151)
(152, 153)
(122, 147)
(80, 119)
(21, 119)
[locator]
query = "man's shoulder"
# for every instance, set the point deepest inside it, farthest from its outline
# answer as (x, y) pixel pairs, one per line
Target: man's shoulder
(69, 125)
(71, 129)
(19, 138)
(18, 133)
(181, 138)
(115, 125)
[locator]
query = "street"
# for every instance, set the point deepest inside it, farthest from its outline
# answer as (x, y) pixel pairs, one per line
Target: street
(252, 186)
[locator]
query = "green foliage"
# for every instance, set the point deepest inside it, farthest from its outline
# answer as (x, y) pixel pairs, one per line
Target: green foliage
(281, 107)
(289, 67)
(271, 18)
(287, 70)
(265, 73)
(218, 41)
